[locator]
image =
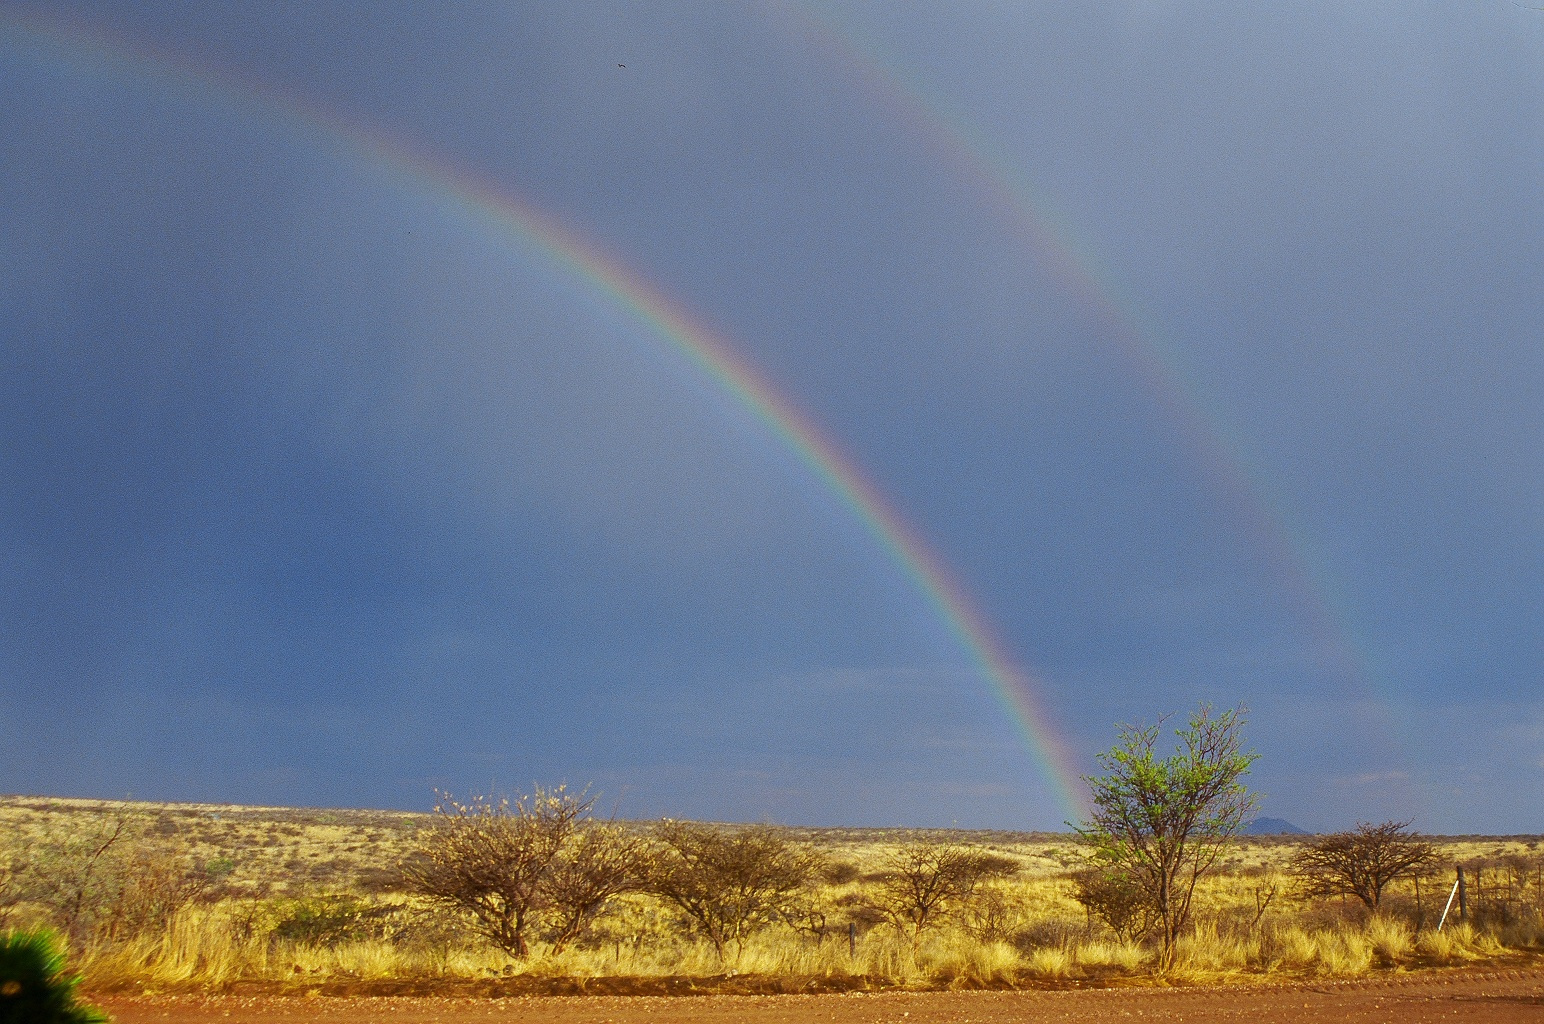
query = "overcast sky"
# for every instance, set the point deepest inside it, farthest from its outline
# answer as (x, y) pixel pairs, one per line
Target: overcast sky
(1201, 343)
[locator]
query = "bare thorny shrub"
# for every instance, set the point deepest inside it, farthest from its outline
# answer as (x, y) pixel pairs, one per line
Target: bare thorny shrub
(1361, 863)
(923, 883)
(1504, 890)
(156, 883)
(996, 913)
(75, 876)
(603, 862)
(730, 882)
(111, 880)
(515, 866)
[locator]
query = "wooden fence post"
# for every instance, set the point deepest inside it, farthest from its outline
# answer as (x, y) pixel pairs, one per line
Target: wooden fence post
(1463, 896)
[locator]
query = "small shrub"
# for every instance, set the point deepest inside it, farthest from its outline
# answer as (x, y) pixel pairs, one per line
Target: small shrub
(729, 883)
(1118, 899)
(328, 920)
(841, 872)
(377, 879)
(1041, 934)
(510, 865)
(994, 915)
(1363, 862)
(927, 882)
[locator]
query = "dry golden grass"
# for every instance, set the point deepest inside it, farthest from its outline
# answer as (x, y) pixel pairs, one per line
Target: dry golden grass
(1248, 924)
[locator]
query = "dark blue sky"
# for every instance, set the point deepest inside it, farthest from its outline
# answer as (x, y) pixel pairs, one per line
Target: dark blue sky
(321, 487)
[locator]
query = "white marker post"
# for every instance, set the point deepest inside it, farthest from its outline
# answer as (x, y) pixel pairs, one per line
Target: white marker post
(1449, 906)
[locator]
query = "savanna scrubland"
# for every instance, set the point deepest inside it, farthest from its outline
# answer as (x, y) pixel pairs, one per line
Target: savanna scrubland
(181, 897)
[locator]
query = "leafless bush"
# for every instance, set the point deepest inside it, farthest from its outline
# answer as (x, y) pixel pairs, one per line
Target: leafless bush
(924, 882)
(992, 915)
(1504, 889)
(11, 889)
(809, 916)
(514, 866)
(1362, 862)
(114, 879)
(728, 882)
(600, 863)
(75, 876)
(153, 883)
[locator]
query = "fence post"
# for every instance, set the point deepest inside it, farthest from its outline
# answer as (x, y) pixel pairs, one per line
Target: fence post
(852, 940)
(1463, 896)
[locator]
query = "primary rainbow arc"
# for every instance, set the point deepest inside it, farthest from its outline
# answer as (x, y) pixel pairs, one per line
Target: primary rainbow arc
(691, 337)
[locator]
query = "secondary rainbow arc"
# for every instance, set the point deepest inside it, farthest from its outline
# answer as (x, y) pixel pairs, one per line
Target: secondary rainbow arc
(973, 159)
(691, 337)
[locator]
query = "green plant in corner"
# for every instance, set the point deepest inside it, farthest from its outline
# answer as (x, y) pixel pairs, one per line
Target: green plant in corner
(33, 986)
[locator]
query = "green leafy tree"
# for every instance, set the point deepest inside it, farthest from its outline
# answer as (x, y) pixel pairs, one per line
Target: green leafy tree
(1161, 822)
(33, 986)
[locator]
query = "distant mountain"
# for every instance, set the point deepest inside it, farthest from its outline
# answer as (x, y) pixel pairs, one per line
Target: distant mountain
(1273, 827)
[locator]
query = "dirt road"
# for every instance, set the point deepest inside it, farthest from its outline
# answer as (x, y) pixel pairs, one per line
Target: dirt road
(1493, 997)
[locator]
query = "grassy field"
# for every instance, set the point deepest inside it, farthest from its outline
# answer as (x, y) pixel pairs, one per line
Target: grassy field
(199, 896)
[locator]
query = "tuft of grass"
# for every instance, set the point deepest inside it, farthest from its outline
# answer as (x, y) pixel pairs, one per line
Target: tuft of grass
(958, 960)
(1392, 940)
(1457, 943)
(1289, 948)
(1050, 962)
(1110, 954)
(1344, 953)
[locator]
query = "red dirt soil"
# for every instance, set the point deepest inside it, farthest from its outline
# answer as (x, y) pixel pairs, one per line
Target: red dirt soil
(1490, 996)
